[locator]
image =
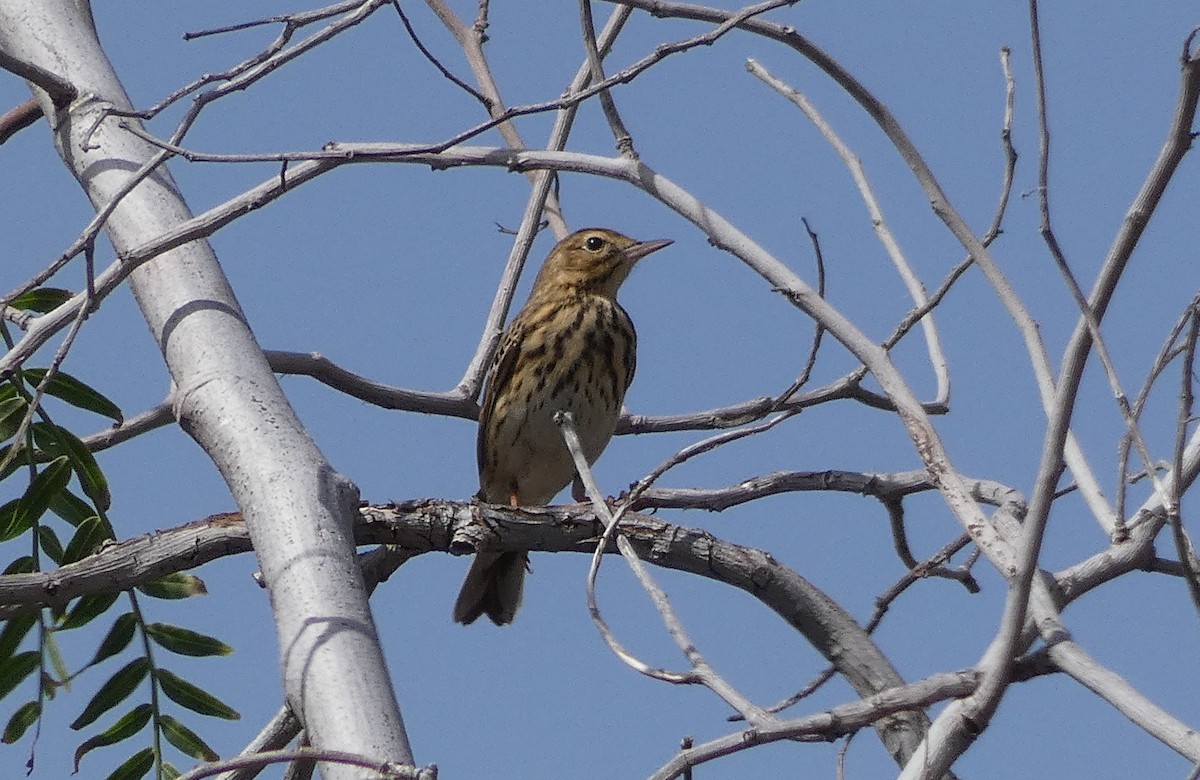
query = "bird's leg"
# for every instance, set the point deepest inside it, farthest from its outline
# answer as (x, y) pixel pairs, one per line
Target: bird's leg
(514, 503)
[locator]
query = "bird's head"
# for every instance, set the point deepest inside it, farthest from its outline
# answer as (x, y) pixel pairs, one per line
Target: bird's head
(594, 261)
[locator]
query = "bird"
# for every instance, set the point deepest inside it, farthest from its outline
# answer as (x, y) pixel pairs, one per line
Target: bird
(571, 348)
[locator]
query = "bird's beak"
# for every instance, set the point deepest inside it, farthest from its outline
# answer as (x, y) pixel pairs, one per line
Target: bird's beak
(643, 248)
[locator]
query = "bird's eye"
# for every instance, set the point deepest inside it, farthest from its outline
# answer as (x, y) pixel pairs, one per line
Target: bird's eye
(593, 244)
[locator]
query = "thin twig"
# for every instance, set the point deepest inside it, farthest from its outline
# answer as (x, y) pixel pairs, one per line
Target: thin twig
(692, 450)
(1183, 543)
(916, 290)
(883, 603)
(625, 76)
(238, 78)
(829, 725)
(941, 204)
(702, 672)
(455, 80)
(818, 332)
(18, 118)
(33, 407)
(290, 21)
(278, 732)
(471, 39)
(1166, 354)
(610, 520)
(543, 199)
(620, 133)
(994, 230)
(1046, 229)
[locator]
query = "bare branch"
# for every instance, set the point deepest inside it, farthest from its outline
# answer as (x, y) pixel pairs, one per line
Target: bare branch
(993, 231)
(274, 56)
(1110, 686)
(932, 566)
(1183, 543)
(455, 80)
(457, 403)
(702, 671)
(543, 182)
(623, 139)
(829, 725)
(981, 705)
(941, 204)
(275, 735)
(1168, 352)
(937, 356)
(1048, 236)
(290, 21)
(471, 39)
(311, 755)
(640, 488)
(463, 528)
(881, 485)
(622, 77)
(60, 90)
(18, 118)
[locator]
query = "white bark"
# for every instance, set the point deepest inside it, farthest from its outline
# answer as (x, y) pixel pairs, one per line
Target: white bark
(298, 509)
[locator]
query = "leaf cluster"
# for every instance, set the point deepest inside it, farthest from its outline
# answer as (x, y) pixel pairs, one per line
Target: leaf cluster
(66, 496)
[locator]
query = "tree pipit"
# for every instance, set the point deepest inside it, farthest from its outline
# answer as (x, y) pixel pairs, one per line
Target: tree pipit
(571, 348)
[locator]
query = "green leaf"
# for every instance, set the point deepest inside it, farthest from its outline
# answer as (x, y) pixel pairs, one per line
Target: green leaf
(15, 630)
(118, 638)
(136, 767)
(185, 641)
(88, 537)
(67, 388)
(87, 609)
(113, 692)
(17, 517)
(50, 544)
(129, 724)
(169, 772)
(186, 740)
(25, 716)
(56, 440)
(52, 479)
(71, 507)
(23, 565)
(41, 300)
(174, 586)
(12, 411)
(10, 518)
(15, 669)
(185, 694)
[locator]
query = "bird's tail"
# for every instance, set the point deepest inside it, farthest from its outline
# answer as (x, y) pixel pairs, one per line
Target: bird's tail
(493, 587)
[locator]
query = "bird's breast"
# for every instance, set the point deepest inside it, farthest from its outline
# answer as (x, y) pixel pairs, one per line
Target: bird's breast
(577, 358)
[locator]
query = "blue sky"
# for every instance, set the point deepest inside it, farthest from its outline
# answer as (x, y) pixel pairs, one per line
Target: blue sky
(389, 270)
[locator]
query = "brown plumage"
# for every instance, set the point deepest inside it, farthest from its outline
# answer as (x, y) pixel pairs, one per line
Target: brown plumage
(571, 348)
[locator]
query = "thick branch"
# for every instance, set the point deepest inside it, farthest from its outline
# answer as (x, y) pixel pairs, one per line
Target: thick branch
(462, 528)
(297, 508)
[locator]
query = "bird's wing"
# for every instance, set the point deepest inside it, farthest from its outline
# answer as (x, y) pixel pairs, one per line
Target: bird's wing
(631, 354)
(502, 370)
